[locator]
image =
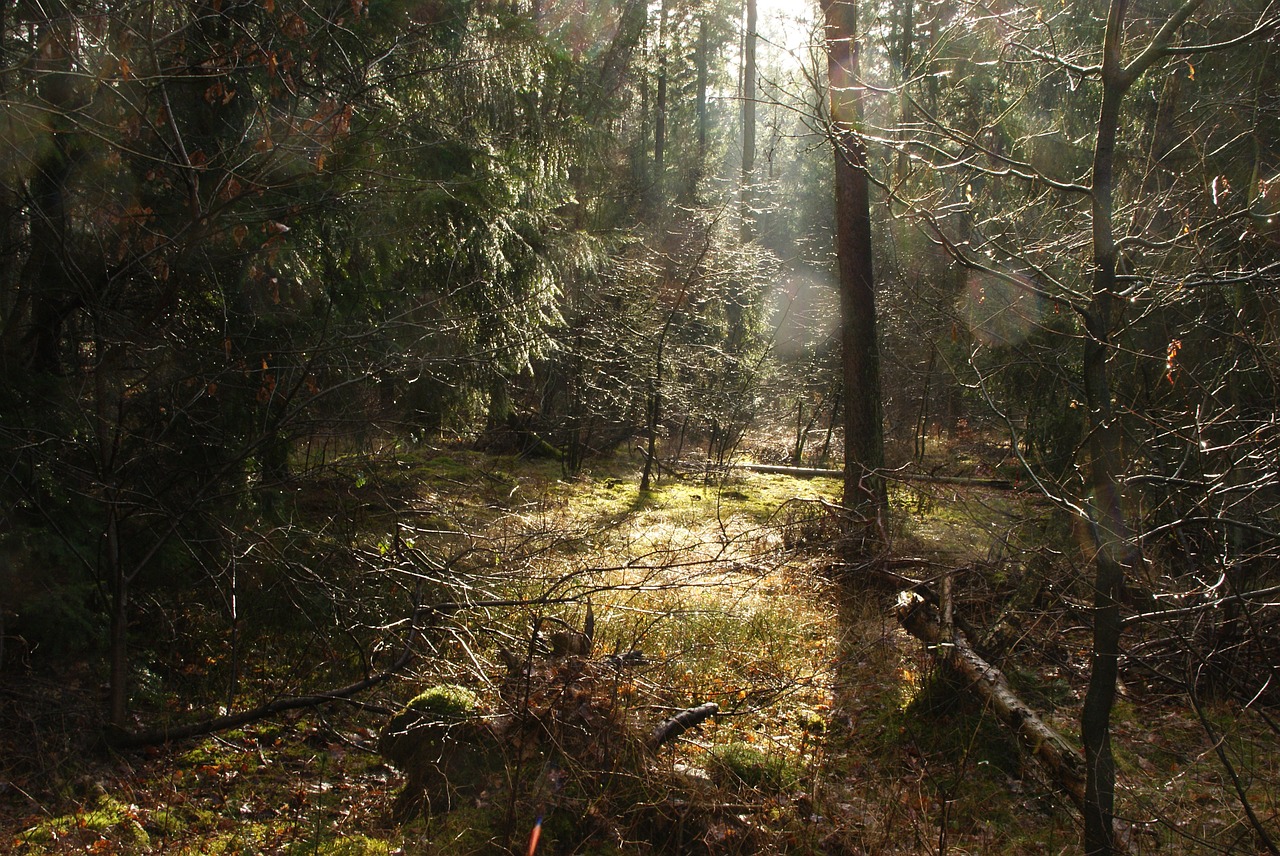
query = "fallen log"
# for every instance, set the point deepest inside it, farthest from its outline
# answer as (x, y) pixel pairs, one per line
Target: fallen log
(994, 484)
(822, 472)
(670, 729)
(1059, 758)
(798, 472)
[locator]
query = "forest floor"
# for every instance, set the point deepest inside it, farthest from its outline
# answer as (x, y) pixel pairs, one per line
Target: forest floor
(835, 733)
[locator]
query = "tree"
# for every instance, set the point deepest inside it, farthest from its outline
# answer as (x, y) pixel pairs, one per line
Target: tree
(865, 497)
(212, 261)
(1035, 202)
(750, 94)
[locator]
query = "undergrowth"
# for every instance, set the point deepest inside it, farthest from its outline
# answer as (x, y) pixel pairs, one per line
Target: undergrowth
(835, 733)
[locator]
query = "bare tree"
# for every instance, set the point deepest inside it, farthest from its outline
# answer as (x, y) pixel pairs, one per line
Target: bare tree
(1019, 201)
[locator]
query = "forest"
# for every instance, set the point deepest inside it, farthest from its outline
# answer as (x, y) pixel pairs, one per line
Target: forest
(640, 426)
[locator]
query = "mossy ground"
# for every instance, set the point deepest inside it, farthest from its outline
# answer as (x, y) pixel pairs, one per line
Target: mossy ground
(836, 733)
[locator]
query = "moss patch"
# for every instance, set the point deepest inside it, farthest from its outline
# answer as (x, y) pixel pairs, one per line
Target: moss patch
(737, 765)
(347, 845)
(446, 702)
(106, 820)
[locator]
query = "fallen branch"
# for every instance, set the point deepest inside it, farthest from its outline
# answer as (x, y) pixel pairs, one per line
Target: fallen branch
(1062, 761)
(135, 739)
(121, 739)
(821, 472)
(670, 729)
(883, 571)
(994, 484)
(798, 472)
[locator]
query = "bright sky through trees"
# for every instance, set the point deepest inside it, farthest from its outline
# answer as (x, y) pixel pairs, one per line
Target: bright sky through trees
(787, 25)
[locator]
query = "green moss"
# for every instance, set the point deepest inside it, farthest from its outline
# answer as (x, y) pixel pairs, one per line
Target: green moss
(810, 721)
(243, 841)
(445, 702)
(461, 832)
(205, 753)
(743, 765)
(347, 845)
(595, 500)
(175, 820)
(422, 724)
(107, 818)
(445, 467)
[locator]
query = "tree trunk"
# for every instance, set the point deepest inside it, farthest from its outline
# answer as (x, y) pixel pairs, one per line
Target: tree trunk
(1116, 553)
(824, 472)
(903, 60)
(660, 106)
(118, 643)
(48, 275)
(736, 296)
(653, 414)
(704, 117)
(922, 417)
(865, 497)
(108, 413)
(748, 123)
(1108, 524)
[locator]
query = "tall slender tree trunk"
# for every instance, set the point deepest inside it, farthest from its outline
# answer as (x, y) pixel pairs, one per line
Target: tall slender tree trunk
(118, 643)
(107, 421)
(749, 93)
(660, 105)
(865, 497)
(48, 273)
(1109, 526)
(1116, 553)
(653, 410)
(704, 116)
(737, 298)
(903, 60)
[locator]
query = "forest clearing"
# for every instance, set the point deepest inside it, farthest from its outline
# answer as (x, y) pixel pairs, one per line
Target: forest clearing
(640, 426)
(837, 732)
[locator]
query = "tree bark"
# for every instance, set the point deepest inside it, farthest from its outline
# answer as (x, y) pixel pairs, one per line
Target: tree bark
(704, 116)
(50, 293)
(865, 496)
(653, 404)
(168, 734)
(660, 106)
(736, 298)
(1107, 511)
(748, 123)
(1116, 553)
(670, 729)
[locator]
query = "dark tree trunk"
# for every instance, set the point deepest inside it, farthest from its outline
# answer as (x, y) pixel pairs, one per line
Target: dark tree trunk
(107, 420)
(47, 272)
(704, 117)
(660, 106)
(1116, 553)
(748, 122)
(118, 644)
(903, 61)
(736, 303)
(1109, 527)
(864, 489)
(44, 275)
